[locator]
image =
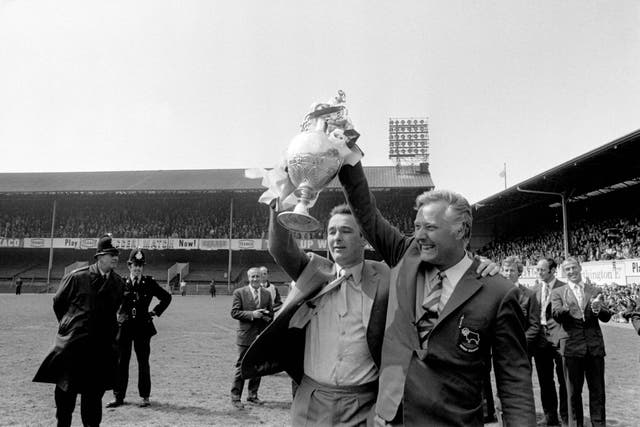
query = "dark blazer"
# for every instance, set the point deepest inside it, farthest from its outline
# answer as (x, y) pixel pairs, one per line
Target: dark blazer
(581, 325)
(84, 354)
(138, 300)
(531, 311)
(242, 309)
(281, 346)
(442, 384)
(554, 330)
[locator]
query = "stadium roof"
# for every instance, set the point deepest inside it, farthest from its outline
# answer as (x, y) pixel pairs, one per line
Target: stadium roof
(160, 181)
(611, 167)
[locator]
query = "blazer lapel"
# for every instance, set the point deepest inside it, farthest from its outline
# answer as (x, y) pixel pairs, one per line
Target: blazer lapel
(369, 285)
(465, 289)
(406, 286)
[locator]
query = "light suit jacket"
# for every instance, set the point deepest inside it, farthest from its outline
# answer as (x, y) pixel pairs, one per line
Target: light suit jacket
(281, 346)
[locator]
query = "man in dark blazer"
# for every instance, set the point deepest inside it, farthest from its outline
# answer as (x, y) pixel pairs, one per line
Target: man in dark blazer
(578, 307)
(512, 269)
(84, 358)
(328, 333)
(546, 352)
(443, 319)
(253, 309)
(136, 327)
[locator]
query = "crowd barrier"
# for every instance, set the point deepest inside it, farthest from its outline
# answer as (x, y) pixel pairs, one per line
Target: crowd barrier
(156, 244)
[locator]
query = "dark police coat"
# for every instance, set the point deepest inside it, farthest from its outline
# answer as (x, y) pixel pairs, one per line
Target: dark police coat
(84, 355)
(133, 315)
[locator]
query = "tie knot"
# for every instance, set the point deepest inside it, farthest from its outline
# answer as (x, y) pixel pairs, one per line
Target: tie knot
(439, 277)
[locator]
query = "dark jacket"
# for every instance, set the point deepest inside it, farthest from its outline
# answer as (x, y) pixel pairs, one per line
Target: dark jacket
(133, 315)
(242, 309)
(441, 385)
(531, 311)
(584, 333)
(281, 346)
(553, 332)
(84, 353)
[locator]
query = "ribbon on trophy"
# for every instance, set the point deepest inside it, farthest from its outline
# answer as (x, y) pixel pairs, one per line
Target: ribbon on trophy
(327, 141)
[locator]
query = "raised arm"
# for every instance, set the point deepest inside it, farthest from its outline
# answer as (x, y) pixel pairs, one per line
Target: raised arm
(386, 239)
(284, 249)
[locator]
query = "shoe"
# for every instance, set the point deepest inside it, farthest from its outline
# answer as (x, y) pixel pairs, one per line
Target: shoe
(489, 419)
(255, 400)
(115, 403)
(145, 402)
(237, 404)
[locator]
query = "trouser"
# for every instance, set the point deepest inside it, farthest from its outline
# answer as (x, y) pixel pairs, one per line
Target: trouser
(142, 347)
(546, 357)
(317, 404)
(90, 407)
(238, 381)
(576, 369)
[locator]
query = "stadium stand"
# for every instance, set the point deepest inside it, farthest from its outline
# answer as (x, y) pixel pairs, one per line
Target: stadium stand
(165, 204)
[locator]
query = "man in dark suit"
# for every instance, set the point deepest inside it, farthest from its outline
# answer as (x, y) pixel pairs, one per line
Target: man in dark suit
(275, 294)
(512, 269)
(443, 319)
(328, 334)
(253, 309)
(136, 327)
(84, 359)
(546, 353)
(578, 307)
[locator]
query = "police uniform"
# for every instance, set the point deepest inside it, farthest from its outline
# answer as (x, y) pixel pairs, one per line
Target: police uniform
(136, 328)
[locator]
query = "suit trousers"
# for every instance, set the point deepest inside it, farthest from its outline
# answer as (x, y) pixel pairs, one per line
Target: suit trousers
(545, 358)
(576, 369)
(90, 407)
(238, 381)
(142, 347)
(318, 404)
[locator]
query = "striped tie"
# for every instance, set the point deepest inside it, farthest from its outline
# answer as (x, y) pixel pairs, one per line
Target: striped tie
(430, 305)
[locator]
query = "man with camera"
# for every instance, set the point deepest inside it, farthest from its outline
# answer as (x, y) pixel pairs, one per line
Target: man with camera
(253, 308)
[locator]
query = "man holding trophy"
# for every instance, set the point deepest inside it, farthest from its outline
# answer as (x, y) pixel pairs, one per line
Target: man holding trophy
(328, 334)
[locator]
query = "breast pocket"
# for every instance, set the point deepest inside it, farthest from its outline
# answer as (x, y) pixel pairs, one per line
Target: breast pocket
(471, 334)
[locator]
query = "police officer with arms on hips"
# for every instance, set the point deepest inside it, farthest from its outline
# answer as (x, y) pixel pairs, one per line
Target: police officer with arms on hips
(136, 327)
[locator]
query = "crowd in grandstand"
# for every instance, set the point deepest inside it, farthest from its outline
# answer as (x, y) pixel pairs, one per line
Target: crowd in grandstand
(589, 241)
(145, 217)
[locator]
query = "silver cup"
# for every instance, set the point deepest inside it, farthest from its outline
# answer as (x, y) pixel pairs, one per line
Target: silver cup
(312, 163)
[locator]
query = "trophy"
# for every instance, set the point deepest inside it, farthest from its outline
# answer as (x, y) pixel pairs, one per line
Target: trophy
(314, 158)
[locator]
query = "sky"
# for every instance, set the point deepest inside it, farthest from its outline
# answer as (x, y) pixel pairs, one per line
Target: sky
(204, 84)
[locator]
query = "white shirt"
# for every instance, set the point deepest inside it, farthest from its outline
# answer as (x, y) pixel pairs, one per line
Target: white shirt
(336, 350)
(449, 283)
(580, 298)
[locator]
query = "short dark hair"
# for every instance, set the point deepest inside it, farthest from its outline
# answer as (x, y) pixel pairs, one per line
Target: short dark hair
(342, 209)
(552, 263)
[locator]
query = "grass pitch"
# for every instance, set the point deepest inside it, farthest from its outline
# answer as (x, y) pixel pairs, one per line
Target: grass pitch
(192, 363)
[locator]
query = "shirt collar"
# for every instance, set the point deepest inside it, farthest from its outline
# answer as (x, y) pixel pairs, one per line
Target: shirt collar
(552, 283)
(454, 273)
(573, 285)
(102, 273)
(355, 271)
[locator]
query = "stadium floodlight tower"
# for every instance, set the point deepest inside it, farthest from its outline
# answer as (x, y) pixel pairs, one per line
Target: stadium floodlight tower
(409, 144)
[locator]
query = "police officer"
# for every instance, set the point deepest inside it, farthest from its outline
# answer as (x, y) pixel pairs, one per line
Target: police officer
(136, 327)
